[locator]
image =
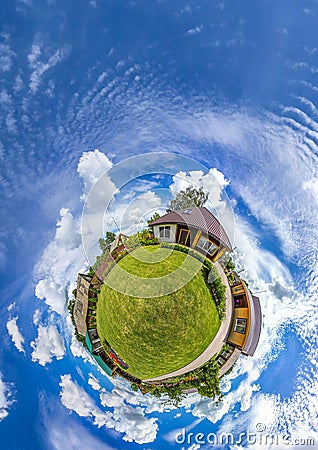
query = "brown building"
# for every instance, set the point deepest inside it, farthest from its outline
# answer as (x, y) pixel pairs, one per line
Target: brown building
(81, 303)
(196, 228)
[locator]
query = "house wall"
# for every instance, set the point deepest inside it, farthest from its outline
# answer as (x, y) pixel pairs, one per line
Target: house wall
(81, 303)
(219, 253)
(194, 236)
(236, 338)
(173, 230)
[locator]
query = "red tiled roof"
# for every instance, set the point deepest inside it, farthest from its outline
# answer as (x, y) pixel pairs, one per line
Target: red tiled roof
(200, 218)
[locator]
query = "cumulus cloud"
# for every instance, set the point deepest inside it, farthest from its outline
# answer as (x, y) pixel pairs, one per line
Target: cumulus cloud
(47, 345)
(92, 381)
(15, 334)
(99, 190)
(64, 256)
(60, 262)
(92, 165)
(124, 419)
(212, 182)
(134, 215)
(36, 316)
(53, 293)
(66, 233)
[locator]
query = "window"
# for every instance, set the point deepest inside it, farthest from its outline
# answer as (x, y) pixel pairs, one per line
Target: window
(164, 232)
(206, 245)
(240, 326)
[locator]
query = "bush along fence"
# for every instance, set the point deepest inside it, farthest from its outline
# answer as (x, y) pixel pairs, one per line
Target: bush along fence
(205, 379)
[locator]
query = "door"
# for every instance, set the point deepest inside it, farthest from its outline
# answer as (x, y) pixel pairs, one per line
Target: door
(184, 237)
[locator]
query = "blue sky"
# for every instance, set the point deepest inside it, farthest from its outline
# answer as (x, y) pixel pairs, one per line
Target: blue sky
(232, 85)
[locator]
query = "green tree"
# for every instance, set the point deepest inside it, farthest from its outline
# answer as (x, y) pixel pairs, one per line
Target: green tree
(105, 243)
(230, 265)
(187, 198)
(209, 382)
(155, 216)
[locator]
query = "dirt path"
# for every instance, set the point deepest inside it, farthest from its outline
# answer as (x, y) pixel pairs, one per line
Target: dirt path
(218, 341)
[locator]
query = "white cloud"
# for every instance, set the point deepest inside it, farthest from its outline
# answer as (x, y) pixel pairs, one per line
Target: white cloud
(78, 437)
(15, 334)
(92, 381)
(36, 316)
(98, 192)
(212, 182)
(34, 55)
(53, 293)
(6, 57)
(259, 264)
(91, 167)
(195, 30)
(67, 234)
(124, 418)
(312, 185)
(64, 256)
(60, 262)
(39, 68)
(134, 215)
(5, 398)
(171, 436)
(194, 447)
(18, 84)
(47, 345)
(77, 348)
(5, 98)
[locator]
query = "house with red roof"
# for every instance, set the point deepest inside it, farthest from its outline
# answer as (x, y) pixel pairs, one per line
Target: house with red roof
(193, 227)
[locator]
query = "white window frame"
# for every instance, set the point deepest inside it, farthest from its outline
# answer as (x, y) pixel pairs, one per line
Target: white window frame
(208, 246)
(240, 325)
(165, 231)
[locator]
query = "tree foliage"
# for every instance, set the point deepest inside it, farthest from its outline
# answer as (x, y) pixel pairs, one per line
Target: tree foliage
(205, 379)
(144, 237)
(187, 198)
(209, 382)
(105, 243)
(155, 216)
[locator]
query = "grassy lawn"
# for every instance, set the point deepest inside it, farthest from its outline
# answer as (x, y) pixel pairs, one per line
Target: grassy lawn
(158, 334)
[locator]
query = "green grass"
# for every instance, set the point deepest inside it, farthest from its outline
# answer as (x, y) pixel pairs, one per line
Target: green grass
(157, 334)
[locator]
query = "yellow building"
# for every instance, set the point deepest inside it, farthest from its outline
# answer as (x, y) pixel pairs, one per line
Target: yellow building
(247, 319)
